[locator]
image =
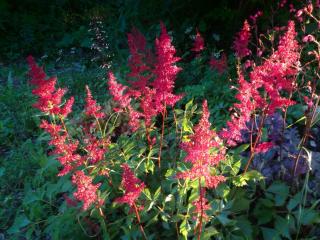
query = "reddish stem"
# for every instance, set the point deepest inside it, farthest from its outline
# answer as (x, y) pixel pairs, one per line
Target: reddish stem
(306, 135)
(252, 150)
(139, 221)
(161, 138)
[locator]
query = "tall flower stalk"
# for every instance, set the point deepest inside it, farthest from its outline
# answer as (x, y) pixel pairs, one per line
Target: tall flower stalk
(153, 97)
(204, 151)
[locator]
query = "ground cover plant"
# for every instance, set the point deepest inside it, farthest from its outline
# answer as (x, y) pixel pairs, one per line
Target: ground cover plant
(190, 146)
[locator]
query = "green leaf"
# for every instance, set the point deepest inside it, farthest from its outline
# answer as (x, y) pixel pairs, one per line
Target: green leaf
(308, 216)
(31, 197)
(240, 204)
(169, 173)
(209, 232)
(223, 218)
(186, 125)
(243, 179)
(293, 202)
(262, 212)
(244, 224)
(280, 191)
(189, 105)
(282, 225)
(223, 190)
(149, 166)
(270, 234)
(147, 193)
(19, 222)
(184, 229)
(194, 195)
(157, 194)
(240, 149)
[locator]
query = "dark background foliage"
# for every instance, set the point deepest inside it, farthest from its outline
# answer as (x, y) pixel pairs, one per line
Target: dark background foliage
(41, 27)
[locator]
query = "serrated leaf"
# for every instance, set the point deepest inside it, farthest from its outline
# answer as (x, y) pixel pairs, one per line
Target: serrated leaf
(263, 213)
(282, 225)
(223, 190)
(240, 149)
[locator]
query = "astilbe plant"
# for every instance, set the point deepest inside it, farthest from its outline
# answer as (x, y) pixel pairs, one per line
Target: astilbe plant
(110, 171)
(66, 148)
(269, 89)
(204, 151)
(84, 159)
(153, 96)
(241, 42)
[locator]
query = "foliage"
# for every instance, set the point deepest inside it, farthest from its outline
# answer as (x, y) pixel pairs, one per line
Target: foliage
(143, 161)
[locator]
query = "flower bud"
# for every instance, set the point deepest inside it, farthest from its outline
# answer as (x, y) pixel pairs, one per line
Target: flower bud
(308, 38)
(299, 13)
(310, 8)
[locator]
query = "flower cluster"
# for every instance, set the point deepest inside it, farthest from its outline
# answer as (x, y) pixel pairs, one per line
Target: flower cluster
(269, 82)
(139, 59)
(198, 44)
(245, 107)
(204, 150)
(49, 98)
(95, 148)
(49, 102)
(278, 72)
(92, 108)
(153, 97)
(66, 148)
(165, 71)
(86, 190)
(118, 93)
(200, 152)
(241, 42)
(132, 186)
